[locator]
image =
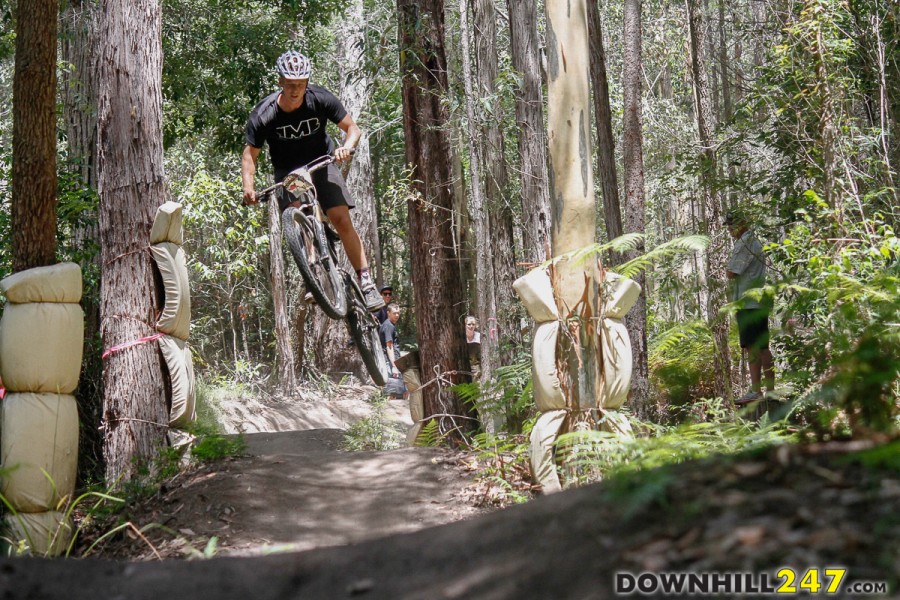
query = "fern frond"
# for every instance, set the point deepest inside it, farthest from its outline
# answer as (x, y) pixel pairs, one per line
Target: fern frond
(669, 339)
(682, 245)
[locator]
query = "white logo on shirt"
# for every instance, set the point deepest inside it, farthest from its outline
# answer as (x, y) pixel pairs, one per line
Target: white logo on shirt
(301, 130)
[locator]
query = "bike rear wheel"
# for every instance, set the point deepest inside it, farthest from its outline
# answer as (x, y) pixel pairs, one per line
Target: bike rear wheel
(363, 328)
(317, 264)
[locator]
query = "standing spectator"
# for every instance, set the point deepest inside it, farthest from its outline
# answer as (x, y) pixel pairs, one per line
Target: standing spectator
(389, 340)
(473, 341)
(472, 334)
(747, 272)
(387, 294)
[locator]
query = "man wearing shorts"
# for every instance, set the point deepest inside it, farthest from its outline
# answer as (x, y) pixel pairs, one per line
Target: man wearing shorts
(293, 121)
(747, 271)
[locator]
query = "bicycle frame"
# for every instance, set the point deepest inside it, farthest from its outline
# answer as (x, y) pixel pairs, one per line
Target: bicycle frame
(299, 184)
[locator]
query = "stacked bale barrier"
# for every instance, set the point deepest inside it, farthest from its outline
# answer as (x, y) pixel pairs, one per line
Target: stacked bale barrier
(41, 342)
(408, 364)
(166, 238)
(619, 294)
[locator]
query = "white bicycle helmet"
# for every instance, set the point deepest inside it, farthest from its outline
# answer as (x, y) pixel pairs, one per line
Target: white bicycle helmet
(293, 65)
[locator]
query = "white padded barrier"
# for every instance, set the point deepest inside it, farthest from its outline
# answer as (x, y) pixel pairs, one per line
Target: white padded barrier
(40, 447)
(536, 291)
(41, 345)
(55, 283)
(167, 225)
(543, 436)
(617, 363)
(179, 361)
(548, 394)
(413, 381)
(619, 295)
(615, 422)
(46, 533)
(175, 319)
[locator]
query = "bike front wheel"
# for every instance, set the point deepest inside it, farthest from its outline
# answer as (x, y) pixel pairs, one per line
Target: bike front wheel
(317, 262)
(363, 328)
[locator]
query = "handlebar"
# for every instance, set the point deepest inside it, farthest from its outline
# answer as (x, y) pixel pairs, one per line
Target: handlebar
(303, 173)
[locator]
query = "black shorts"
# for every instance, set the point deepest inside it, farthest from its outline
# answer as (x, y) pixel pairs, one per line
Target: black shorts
(753, 327)
(330, 189)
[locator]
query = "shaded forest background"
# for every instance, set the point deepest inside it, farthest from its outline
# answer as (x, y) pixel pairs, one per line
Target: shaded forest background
(788, 110)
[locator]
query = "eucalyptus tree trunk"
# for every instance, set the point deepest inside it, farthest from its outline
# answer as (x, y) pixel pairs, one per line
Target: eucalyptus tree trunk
(355, 94)
(572, 199)
(711, 62)
(502, 326)
(710, 208)
(727, 107)
(33, 210)
(633, 147)
(78, 46)
(79, 90)
(889, 70)
(332, 352)
(606, 146)
(532, 142)
(284, 351)
(131, 186)
(435, 270)
(485, 284)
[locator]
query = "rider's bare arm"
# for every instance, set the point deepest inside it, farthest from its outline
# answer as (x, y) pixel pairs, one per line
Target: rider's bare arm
(353, 133)
(248, 171)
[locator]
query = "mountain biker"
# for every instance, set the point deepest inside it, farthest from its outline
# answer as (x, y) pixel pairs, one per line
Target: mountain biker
(292, 121)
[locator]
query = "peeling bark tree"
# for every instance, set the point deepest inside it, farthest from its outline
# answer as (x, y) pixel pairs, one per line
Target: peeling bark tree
(485, 284)
(355, 94)
(636, 319)
(34, 136)
(333, 354)
(606, 146)
(502, 326)
(572, 199)
(284, 351)
(79, 90)
(131, 188)
(435, 269)
(711, 212)
(532, 132)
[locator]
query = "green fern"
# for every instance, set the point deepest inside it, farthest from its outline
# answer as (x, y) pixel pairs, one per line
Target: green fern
(674, 338)
(509, 394)
(631, 241)
(430, 436)
(683, 245)
(598, 454)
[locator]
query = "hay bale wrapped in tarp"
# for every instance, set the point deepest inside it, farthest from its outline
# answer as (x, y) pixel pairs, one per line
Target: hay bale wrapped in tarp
(41, 342)
(166, 237)
(618, 294)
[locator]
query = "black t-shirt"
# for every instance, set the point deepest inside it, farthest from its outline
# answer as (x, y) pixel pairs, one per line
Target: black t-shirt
(295, 138)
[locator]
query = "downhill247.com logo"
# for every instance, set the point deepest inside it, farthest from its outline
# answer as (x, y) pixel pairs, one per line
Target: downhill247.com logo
(786, 581)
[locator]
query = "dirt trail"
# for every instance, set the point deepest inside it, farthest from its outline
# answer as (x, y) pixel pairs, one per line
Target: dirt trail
(295, 489)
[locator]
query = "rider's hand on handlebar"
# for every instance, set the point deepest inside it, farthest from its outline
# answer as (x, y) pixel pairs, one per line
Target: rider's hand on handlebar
(342, 154)
(250, 197)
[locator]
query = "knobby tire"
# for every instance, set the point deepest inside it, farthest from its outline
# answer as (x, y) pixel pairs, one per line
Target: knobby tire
(363, 327)
(317, 265)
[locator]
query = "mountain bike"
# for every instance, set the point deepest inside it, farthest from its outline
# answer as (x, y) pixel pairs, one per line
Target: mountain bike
(313, 244)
